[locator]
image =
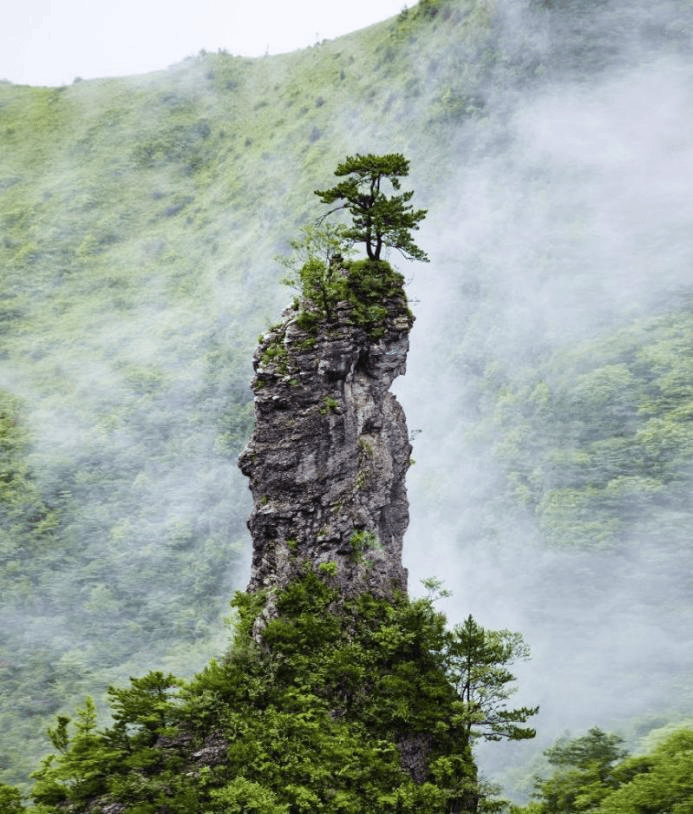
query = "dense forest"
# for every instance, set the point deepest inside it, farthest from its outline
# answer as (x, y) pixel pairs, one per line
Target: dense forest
(550, 382)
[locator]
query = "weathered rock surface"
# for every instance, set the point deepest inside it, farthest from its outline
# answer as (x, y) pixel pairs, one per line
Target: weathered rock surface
(330, 450)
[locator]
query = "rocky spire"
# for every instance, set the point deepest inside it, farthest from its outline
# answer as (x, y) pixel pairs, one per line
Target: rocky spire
(328, 456)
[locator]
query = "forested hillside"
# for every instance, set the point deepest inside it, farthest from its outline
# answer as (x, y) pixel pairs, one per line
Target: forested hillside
(550, 373)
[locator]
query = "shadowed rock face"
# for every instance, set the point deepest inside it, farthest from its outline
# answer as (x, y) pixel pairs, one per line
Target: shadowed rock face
(328, 456)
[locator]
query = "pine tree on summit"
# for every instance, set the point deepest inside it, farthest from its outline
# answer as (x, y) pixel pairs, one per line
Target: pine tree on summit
(378, 219)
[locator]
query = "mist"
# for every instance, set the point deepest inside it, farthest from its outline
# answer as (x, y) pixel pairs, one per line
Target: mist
(577, 226)
(556, 173)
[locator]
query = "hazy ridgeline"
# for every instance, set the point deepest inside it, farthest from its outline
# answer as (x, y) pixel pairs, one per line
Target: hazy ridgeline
(551, 370)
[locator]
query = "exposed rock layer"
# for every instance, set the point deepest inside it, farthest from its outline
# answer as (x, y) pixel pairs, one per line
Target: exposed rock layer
(330, 450)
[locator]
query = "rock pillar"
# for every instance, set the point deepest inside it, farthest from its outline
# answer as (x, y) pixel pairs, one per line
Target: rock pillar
(330, 450)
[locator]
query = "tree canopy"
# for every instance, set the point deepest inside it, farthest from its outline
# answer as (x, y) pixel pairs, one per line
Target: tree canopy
(379, 219)
(593, 773)
(342, 708)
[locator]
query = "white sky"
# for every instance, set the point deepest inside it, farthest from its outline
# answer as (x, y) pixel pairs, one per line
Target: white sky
(50, 42)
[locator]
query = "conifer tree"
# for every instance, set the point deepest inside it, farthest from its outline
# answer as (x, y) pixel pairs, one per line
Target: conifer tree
(378, 219)
(478, 662)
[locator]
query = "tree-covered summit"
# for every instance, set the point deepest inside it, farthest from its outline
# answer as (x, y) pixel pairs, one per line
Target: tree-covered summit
(321, 265)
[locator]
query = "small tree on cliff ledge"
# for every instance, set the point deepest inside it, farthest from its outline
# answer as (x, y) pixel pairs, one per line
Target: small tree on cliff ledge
(378, 219)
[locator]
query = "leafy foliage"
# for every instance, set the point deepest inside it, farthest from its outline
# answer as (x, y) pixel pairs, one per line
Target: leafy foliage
(596, 440)
(659, 781)
(315, 265)
(365, 287)
(593, 773)
(344, 707)
(10, 800)
(584, 771)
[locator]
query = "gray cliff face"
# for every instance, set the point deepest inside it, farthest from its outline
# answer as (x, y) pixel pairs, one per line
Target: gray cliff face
(328, 456)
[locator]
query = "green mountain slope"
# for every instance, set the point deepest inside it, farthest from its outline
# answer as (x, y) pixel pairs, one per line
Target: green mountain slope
(140, 218)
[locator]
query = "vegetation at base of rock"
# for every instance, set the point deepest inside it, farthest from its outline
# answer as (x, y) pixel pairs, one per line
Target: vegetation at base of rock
(593, 773)
(330, 711)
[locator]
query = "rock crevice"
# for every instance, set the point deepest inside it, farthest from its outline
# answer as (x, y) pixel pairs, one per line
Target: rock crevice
(330, 450)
